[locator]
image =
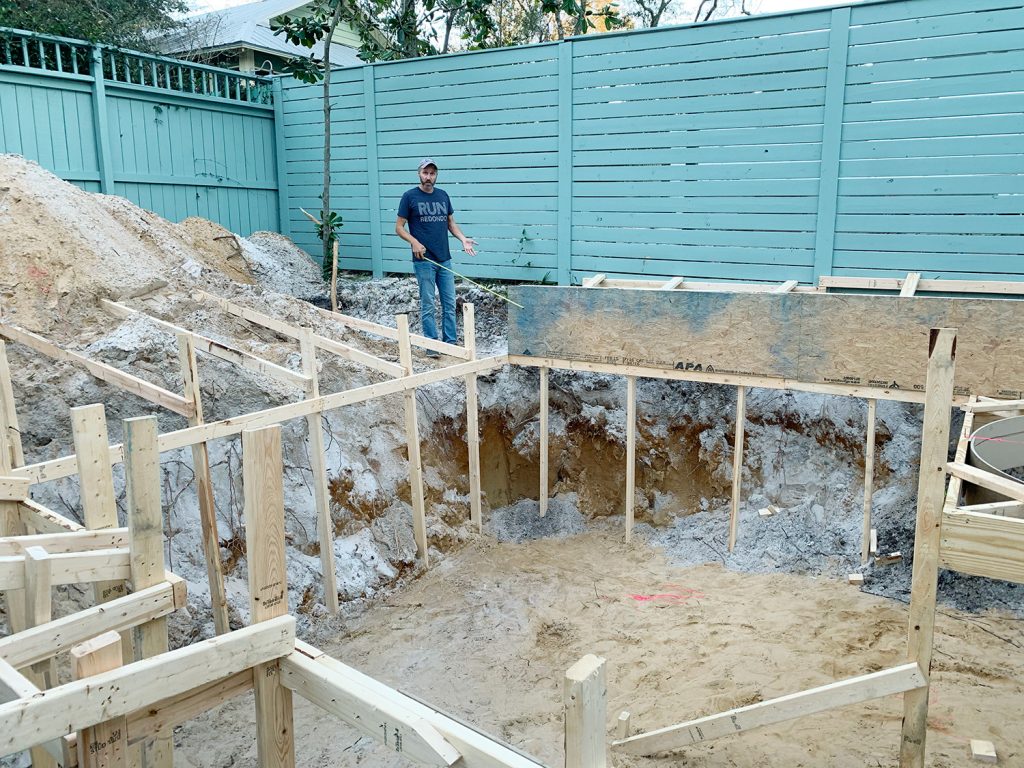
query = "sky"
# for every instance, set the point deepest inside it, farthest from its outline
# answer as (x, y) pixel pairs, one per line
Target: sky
(756, 6)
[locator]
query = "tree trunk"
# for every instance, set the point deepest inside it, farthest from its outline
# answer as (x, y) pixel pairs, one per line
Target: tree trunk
(325, 211)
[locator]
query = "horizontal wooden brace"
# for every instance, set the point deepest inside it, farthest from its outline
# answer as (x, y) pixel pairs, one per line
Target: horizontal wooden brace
(853, 691)
(102, 371)
(83, 703)
(983, 545)
(67, 466)
(1009, 488)
(70, 568)
(698, 285)
(992, 406)
(72, 541)
(216, 348)
(42, 642)
(1003, 508)
(383, 719)
(349, 352)
(937, 286)
(13, 488)
(368, 326)
(45, 520)
(767, 382)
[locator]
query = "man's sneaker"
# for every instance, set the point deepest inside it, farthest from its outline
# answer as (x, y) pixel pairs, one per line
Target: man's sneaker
(433, 353)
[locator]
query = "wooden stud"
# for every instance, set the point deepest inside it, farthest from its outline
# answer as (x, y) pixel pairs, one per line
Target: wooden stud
(318, 466)
(10, 435)
(930, 496)
(146, 531)
(96, 482)
(39, 611)
(630, 453)
(268, 587)
(204, 488)
(672, 284)
(737, 464)
(622, 725)
(593, 281)
(873, 543)
(412, 437)
(102, 745)
(544, 437)
(910, 284)
(856, 579)
(472, 420)
(907, 677)
(786, 287)
(869, 479)
(585, 696)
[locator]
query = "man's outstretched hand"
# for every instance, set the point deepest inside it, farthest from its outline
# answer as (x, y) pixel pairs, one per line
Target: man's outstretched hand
(469, 245)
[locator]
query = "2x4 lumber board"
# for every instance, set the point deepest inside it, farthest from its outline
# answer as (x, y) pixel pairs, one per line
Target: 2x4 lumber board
(214, 348)
(71, 568)
(673, 284)
(45, 520)
(906, 677)
(715, 378)
(942, 361)
(11, 454)
(104, 744)
(737, 464)
(630, 453)
(13, 684)
(39, 610)
(96, 485)
(472, 421)
(160, 718)
(910, 284)
(102, 371)
(377, 329)
(204, 488)
(787, 287)
(145, 525)
(1012, 489)
(585, 700)
(14, 488)
(66, 466)
(80, 704)
(72, 541)
(869, 479)
(478, 749)
(262, 477)
(983, 545)
(318, 467)
(382, 719)
(701, 285)
(412, 436)
(544, 441)
(1001, 508)
(925, 285)
(955, 485)
(42, 642)
(295, 332)
(594, 281)
(994, 407)
(813, 338)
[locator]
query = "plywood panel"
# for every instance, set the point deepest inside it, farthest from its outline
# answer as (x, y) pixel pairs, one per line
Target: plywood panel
(859, 341)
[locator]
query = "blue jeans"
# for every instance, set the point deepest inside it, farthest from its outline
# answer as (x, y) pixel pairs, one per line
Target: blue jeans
(429, 275)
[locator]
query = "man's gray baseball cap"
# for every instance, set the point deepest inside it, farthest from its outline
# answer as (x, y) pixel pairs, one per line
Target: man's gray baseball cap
(425, 162)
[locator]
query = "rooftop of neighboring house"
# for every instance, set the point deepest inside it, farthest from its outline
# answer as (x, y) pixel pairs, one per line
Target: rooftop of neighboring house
(247, 27)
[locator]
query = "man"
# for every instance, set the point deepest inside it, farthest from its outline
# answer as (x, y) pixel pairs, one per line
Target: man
(429, 214)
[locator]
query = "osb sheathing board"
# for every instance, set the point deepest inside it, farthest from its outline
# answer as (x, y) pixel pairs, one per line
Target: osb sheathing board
(864, 341)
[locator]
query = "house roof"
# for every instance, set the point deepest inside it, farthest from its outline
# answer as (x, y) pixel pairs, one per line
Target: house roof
(246, 26)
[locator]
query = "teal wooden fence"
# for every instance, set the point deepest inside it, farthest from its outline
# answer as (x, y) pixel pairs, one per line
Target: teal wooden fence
(176, 138)
(877, 138)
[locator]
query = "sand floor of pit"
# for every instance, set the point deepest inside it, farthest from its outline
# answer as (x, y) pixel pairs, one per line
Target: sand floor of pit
(488, 634)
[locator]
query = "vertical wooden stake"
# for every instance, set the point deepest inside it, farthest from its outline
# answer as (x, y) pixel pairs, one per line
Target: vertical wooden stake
(472, 421)
(96, 484)
(544, 450)
(268, 587)
(39, 610)
(737, 464)
(204, 488)
(103, 745)
(585, 695)
(146, 545)
(334, 277)
(869, 480)
(630, 453)
(412, 436)
(318, 466)
(10, 436)
(931, 489)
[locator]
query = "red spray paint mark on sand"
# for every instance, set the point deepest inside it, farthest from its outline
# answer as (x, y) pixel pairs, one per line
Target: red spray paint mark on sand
(681, 596)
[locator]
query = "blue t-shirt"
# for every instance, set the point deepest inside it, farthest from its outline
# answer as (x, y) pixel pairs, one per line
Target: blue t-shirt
(428, 220)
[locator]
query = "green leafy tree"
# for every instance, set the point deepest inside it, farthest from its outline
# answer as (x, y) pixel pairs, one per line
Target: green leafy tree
(128, 23)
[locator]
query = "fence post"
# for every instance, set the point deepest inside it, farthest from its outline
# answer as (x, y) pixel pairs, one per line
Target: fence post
(831, 142)
(283, 203)
(372, 175)
(564, 251)
(99, 121)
